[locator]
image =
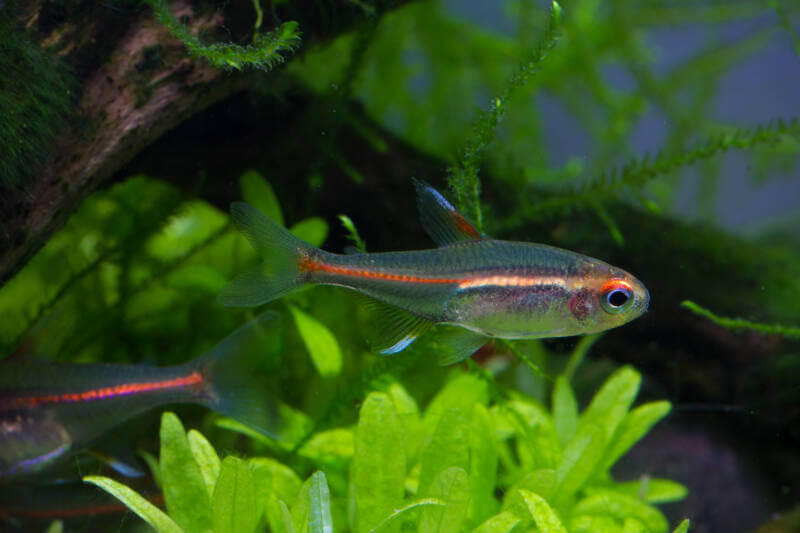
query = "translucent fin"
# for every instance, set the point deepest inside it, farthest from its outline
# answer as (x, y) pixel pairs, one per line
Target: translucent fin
(232, 386)
(279, 274)
(440, 219)
(396, 329)
(125, 467)
(454, 344)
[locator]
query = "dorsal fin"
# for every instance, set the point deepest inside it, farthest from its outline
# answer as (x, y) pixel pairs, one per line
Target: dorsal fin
(440, 219)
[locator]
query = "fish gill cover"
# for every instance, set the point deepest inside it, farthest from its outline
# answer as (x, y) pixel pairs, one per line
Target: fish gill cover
(578, 126)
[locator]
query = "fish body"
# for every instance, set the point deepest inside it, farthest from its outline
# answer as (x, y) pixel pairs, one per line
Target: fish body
(481, 286)
(50, 410)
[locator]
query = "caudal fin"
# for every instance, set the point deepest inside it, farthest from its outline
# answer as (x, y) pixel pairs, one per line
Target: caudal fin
(232, 386)
(279, 274)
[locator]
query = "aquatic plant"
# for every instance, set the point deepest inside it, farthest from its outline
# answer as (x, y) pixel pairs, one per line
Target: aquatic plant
(437, 470)
(134, 274)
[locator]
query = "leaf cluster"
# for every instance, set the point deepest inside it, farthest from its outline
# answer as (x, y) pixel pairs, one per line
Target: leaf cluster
(463, 464)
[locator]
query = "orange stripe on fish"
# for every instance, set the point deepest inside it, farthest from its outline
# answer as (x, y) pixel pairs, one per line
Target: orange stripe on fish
(125, 389)
(308, 265)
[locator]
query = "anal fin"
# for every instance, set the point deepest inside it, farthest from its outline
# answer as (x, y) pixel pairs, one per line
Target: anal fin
(396, 328)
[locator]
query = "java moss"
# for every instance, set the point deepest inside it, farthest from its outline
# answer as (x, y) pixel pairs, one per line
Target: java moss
(37, 93)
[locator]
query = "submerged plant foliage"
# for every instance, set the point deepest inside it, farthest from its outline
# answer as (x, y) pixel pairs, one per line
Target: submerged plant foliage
(500, 444)
(437, 470)
(265, 52)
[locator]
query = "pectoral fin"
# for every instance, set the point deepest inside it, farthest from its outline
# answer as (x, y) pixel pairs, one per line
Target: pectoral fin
(440, 219)
(454, 344)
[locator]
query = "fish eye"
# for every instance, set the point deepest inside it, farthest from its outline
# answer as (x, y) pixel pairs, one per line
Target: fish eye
(616, 297)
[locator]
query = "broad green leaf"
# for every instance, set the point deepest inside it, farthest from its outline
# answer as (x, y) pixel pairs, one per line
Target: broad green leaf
(464, 390)
(546, 519)
(452, 487)
(580, 459)
(278, 517)
(148, 512)
(312, 512)
(647, 489)
(482, 465)
(184, 488)
(537, 444)
(320, 342)
(631, 525)
(274, 479)
(329, 448)
(633, 427)
(408, 414)
(543, 482)
(313, 230)
(257, 192)
(620, 506)
(206, 458)
(378, 470)
(447, 447)
(565, 410)
(503, 522)
(683, 527)
(611, 403)
(415, 505)
(56, 527)
(234, 503)
(592, 524)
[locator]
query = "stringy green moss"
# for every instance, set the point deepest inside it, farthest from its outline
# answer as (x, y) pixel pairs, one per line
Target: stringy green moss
(265, 52)
(36, 95)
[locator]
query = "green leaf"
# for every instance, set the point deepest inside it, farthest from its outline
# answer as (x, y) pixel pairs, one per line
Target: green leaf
(332, 448)
(565, 410)
(206, 458)
(683, 527)
(416, 504)
(320, 343)
(464, 390)
(502, 522)
(184, 488)
(633, 427)
(312, 512)
(234, 502)
(148, 512)
(543, 482)
(631, 525)
(152, 464)
(580, 459)
(445, 449)
(482, 465)
(611, 403)
(592, 524)
(619, 507)
(56, 527)
(352, 233)
(274, 479)
(544, 516)
(257, 192)
(279, 517)
(647, 489)
(452, 487)
(378, 470)
(313, 230)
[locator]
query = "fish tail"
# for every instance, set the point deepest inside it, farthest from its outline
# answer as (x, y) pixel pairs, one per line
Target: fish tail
(284, 256)
(230, 385)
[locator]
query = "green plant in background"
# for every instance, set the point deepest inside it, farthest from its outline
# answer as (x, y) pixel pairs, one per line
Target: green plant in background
(466, 463)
